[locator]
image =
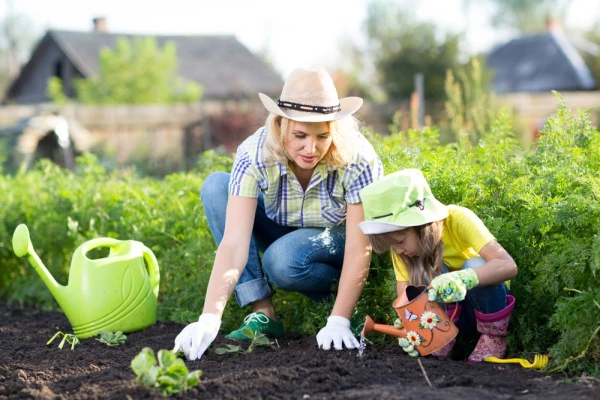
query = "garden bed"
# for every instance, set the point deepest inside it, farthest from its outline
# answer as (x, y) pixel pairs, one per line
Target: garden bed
(294, 370)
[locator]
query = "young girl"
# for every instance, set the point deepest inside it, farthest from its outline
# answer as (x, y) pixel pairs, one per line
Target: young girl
(447, 247)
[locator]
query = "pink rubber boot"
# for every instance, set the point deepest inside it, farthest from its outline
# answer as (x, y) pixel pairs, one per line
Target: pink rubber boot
(453, 311)
(493, 329)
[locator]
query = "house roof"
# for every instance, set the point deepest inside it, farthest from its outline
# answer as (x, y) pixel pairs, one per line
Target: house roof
(539, 63)
(221, 64)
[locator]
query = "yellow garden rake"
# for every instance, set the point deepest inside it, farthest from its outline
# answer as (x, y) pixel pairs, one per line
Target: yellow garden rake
(539, 361)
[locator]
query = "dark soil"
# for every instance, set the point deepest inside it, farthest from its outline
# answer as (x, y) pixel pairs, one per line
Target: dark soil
(295, 370)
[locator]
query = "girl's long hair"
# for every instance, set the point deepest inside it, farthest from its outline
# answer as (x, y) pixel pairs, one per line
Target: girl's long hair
(422, 269)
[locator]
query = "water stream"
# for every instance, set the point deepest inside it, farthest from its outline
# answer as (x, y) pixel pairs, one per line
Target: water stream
(362, 345)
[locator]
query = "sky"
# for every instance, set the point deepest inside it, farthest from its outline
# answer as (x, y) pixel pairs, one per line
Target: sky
(306, 34)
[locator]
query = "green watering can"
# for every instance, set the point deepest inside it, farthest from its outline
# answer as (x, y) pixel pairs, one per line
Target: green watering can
(116, 293)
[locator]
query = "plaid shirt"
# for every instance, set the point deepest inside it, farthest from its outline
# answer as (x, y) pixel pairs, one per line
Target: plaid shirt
(324, 202)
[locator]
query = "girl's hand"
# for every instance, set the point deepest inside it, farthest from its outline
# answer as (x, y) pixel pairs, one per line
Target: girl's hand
(452, 286)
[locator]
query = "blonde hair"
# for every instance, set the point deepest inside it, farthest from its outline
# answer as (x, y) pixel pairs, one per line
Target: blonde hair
(344, 133)
(424, 267)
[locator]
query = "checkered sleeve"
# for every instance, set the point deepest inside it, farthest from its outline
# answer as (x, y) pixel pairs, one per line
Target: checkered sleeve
(244, 176)
(367, 169)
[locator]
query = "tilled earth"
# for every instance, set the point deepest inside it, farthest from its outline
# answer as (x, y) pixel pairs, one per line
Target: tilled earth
(297, 369)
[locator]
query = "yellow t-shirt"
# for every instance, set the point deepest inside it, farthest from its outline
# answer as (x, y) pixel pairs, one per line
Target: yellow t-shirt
(464, 235)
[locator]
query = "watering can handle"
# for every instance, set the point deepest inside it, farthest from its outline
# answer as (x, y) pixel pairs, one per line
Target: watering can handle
(99, 242)
(153, 271)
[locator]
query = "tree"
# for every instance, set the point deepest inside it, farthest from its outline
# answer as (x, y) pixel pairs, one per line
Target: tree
(471, 107)
(527, 16)
(17, 37)
(400, 47)
(134, 72)
(592, 55)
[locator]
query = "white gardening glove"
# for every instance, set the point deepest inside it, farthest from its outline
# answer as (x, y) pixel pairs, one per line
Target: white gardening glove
(195, 338)
(337, 331)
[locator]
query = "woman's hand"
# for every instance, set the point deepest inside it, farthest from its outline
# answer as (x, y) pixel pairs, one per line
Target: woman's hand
(337, 331)
(195, 338)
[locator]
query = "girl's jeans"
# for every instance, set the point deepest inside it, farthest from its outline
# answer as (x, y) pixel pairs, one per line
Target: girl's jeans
(304, 260)
(485, 299)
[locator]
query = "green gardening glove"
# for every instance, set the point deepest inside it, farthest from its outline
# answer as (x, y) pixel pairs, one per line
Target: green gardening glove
(452, 286)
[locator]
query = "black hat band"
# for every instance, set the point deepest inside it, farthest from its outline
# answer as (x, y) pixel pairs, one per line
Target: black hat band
(304, 107)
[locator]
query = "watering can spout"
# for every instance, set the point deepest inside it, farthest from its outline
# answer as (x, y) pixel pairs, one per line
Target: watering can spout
(22, 247)
(371, 326)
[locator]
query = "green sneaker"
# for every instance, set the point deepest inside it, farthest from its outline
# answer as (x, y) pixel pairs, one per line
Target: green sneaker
(257, 322)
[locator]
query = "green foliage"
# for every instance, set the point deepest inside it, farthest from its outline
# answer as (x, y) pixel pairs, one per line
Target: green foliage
(401, 47)
(55, 92)
(577, 348)
(527, 15)
(470, 104)
(256, 339)
(63, 209)
(592, 59)
(112, 338)
(214, 160)
(67, 338)
(169, 375)
(134, 72)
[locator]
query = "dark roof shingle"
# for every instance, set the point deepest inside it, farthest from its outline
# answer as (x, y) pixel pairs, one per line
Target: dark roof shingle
(221, 64)
(539, 63)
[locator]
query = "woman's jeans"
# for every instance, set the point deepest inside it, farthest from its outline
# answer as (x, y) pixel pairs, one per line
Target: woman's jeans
(485, 299)
(303, 260)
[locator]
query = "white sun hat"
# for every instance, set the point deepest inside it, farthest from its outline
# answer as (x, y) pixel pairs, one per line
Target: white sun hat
(310, 96)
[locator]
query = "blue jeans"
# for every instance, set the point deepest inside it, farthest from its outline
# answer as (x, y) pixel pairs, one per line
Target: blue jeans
(303, 260)
(485, 299)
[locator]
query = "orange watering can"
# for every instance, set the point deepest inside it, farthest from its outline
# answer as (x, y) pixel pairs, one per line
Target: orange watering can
(425, 323)
(115, 293)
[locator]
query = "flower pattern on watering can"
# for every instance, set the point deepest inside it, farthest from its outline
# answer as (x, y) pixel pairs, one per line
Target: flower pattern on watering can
(426, 325)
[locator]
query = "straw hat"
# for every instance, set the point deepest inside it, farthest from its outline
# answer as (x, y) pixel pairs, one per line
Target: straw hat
(398, 201)
(310, 96)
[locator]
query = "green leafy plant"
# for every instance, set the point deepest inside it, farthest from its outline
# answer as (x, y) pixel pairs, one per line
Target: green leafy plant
(67, 338)
(142, 65)
(229, 349)
(256, 339)
(470, 104)
(169, 374)
(112, 338)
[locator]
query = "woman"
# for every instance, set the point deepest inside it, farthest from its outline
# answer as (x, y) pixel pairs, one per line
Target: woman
(292, 195)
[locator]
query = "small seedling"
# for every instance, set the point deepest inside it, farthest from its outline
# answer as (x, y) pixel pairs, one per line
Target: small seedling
(230, 349)
(179, 354)
(169, 376)
(256, 339)
(67, 338)
(112, 338)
